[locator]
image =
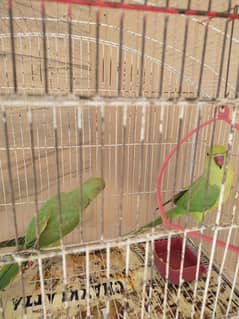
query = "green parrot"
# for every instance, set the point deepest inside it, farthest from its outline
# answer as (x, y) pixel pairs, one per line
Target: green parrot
(203, 198)
(49, 233)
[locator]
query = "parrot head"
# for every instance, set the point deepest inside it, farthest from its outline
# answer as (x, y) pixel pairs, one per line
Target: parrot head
(93, 186)
(218, 155)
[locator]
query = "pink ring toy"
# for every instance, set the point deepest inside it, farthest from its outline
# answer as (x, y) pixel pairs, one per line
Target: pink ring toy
(223, 116)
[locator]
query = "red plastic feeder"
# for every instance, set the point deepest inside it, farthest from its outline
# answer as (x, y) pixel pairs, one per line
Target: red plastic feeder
(190, 261)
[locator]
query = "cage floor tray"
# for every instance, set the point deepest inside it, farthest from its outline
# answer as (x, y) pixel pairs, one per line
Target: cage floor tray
(112, 291)
(189, 272)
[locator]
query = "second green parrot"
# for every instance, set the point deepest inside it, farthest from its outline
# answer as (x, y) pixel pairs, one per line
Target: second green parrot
(72, 203)
(203, 198)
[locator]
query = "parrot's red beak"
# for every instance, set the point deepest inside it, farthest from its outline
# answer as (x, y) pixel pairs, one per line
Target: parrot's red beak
(219, 160)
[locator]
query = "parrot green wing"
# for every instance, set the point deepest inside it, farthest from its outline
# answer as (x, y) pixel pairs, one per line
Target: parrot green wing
(30, 237)
(202, 198)
(70, 213)
(175, 198)
(72, 204)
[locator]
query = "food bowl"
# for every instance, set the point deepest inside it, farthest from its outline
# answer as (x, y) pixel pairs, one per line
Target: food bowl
(190, 261)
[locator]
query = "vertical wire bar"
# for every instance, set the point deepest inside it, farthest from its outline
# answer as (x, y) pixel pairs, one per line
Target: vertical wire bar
(69, 21)
(199, 252)
(42, 287)
(88, 69)
(179, 134)
(141, 80)
(34, 171)
(144, 279)
(219, 278)
(133, 122)
(237, 84)
(102, 78)
(165, 30)
(209, 166)
(229, 148)
(148, 169)
(90, 134)
(151, 290)
(193, 161)
(46, 157)
(120, 53)
(123, 173)
(116, 149)
(61, 121)
(80, 167)
(81, 70)
(3, 187)
(39, 161)
(127, 279)
(128, 160)
(158, 153)
(97, 54)
(87, 284)
(108, 280)
(161, 125)
(220, 205)
(203, 54)
(234, 283)
(13, 51)
(166, 277)
(45, 58)
(59, 215)
(185, 40)
(191, 179)
(24, 163)
(141, 151)
(236, 196)
(229, 54)
(223, 53)
(201, 223)
(16, 158)
(181, 280)
(76, 143)
(10, 176)
(69, 151)
(62, 143)
(2, 309)
(14, 216)
(102, 148)
(110, 70)
(153, 129)
(57, 85)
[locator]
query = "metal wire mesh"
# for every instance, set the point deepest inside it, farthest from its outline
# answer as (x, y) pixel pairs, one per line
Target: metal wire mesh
(92, 90)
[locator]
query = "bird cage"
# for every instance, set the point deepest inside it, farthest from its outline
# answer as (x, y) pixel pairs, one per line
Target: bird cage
(134, 93)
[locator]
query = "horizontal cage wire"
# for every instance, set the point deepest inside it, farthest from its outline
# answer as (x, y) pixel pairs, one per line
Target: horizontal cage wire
(110, 113)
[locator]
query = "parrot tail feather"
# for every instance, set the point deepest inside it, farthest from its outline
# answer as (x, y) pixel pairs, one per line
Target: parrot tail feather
(7, 273)
(172, 213)
(150, 224)
(12, 242)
